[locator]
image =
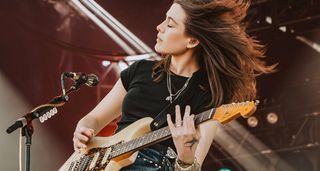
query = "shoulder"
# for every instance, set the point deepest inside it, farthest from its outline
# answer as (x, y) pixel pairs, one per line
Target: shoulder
(145, 62)
(142, 63)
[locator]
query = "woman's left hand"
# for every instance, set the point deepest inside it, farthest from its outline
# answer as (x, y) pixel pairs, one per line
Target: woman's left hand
(184, 134)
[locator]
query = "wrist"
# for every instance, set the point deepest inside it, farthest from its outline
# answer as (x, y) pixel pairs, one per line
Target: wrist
(186, 159)
(180, 166)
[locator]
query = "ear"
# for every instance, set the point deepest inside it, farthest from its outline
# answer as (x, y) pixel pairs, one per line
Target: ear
(192, 42)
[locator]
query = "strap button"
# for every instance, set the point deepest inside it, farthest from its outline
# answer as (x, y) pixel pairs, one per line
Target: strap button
(155, 124)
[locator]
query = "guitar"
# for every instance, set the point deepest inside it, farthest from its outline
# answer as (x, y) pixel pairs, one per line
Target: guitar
(120, 150)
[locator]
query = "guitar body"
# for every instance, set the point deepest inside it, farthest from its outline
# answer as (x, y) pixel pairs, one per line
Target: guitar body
(132, 131)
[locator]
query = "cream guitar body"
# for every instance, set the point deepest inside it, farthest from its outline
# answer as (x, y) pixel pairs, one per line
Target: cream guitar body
(134, 130)
(120, 150)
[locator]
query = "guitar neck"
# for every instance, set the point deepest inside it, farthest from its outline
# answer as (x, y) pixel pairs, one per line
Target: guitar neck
(154, 136)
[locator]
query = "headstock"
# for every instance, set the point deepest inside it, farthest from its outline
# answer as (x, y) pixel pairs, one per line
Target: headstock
(228, 112)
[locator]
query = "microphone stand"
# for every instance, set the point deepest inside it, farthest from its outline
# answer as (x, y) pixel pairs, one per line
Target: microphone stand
(26, 122)
(27, 131)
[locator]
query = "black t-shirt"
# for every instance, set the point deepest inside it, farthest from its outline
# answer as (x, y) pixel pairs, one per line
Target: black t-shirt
(146, 98)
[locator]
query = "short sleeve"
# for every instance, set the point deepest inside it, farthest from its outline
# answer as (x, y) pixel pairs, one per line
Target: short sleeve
(128, 74)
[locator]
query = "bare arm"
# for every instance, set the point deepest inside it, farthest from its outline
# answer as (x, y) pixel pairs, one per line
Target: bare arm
(207, 133)
(106, 111)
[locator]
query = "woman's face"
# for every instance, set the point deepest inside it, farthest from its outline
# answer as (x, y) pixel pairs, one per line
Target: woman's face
(171, 38)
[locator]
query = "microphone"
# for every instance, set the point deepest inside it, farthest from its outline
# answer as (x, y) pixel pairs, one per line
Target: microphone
(42, 113)
(82, 78)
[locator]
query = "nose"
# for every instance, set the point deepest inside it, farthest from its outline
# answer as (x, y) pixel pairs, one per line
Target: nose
(159, 27)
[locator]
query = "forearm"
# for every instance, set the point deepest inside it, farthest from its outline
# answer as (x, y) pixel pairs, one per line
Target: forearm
(89, 122)
(207, 133)
(106, 111)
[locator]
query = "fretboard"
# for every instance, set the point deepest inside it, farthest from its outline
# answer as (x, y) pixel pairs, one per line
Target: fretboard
(154, 136)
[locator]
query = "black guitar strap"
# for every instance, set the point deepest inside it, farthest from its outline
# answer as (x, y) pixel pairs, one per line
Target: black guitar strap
(184, 97)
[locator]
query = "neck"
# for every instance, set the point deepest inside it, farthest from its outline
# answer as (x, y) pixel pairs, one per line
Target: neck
(184, 64)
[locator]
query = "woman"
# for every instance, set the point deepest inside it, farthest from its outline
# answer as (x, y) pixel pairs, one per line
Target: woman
(197, 36)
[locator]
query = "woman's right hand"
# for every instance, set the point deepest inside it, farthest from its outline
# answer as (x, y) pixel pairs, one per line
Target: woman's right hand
(81, 137)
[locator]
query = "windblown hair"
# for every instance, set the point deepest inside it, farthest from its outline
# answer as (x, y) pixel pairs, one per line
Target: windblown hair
(232, 59)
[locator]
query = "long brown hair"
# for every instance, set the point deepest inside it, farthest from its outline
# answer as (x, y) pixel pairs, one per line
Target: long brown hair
(232, 59)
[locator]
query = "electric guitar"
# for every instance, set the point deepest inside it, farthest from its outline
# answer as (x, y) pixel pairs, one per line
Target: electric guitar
(120, 150)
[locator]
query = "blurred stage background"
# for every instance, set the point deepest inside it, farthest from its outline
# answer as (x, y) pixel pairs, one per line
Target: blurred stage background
(40, 39)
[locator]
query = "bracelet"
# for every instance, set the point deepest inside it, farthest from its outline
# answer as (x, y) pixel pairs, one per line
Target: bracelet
(181, 166)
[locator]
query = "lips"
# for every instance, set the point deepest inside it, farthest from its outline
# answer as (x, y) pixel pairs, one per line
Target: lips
(158, 37)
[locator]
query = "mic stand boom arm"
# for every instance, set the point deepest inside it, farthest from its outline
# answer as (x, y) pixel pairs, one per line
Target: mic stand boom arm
(48, 110)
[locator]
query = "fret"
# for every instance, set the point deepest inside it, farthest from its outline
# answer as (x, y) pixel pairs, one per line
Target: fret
(211, 113)
(197, 119)
(111, 154)
(157, 134)
(120, 148)
(166, 131)
(201, 120)
(146, 139)
(161, 133)
(143, 140)
(138, 142)
(117, 150)
(129, 146)
(207, 115)
(204, 117)
(134, 143)
(125, 147)
(150, 137)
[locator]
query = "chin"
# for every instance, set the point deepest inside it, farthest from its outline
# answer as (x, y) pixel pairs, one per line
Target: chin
(158, 49)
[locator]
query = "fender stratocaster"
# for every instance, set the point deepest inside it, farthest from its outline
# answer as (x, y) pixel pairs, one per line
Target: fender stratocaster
(120, 150)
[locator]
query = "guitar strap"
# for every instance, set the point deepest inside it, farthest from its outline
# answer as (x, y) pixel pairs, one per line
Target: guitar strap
(183, 99)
